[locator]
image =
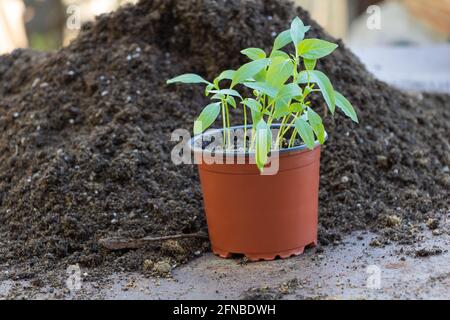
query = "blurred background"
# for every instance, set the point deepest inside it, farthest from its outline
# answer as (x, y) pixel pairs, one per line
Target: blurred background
(403, 42)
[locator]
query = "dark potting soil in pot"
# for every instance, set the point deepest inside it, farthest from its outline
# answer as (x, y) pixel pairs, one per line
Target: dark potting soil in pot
(85, 139)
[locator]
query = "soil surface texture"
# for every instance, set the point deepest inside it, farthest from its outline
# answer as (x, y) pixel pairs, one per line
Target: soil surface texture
(85, 149)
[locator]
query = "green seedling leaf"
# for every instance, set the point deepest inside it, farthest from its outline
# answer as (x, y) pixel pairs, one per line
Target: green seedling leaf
(279, 53)
(188, 78)
(279, 71)
(248, 70)
(284, 96)
(306, 91)
(324, 84)
(252, 104)
(282, 40)
(315, 48)
(256, 116)
(227, 74)
(206, 117)
(263, 144)
(310, 64)
(305, 131)
(346, 107)
(260, 76)
(281, 109)
(289, 91)
(316, 124)
(296, 107)
(254, 53)
(229, 92)
(262, 87)
(297, 30)
(217, 96)
(231, 101)
(255, 109)
(208, 88)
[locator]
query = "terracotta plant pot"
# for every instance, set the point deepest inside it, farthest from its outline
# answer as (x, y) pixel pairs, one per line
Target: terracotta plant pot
(262, 216)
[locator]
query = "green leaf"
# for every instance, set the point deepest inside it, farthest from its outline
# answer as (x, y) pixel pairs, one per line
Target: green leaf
(279, 72)
(282, 40)
(230, 100)
(260, 76)
(315, 48)
(263, 143)
(255, 106)
(289, 91)
(252, 104)
(279, 53)
(281, 109)
(254, 53)
(306, 91)
(217, 96)
(297, 30)
(256, 116)
(305, 132)
(346, 107)
(296, 107)
(227, 74)
(248, 70)
(206, 117)
(324, 84)
(208, 88)
(310, 64)
(187, 78)
(262, 87)
(316, 124)
(283, 98)
(229, 92)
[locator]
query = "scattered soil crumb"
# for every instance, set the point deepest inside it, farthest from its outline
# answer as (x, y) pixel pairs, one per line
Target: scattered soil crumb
(426, 252)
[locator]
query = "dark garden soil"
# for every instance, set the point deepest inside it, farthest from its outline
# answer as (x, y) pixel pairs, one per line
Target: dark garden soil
(85, 139)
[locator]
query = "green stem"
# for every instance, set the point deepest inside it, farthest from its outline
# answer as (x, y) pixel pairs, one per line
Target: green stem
(295, 76)
(253, 138)
(291, 141)
(245, 128)
(224, 124)
(228, 126)
(294, 117)
(279, 135)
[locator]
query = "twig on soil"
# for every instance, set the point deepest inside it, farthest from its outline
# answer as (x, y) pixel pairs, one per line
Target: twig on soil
(120, 243)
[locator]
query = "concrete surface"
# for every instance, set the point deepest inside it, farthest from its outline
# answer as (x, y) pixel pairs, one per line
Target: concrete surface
(346, 271)
(410, 68)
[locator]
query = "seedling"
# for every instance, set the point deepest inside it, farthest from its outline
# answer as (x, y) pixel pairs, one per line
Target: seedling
(281, 84)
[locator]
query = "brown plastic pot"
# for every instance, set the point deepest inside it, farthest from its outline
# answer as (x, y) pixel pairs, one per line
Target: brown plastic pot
(262, 216)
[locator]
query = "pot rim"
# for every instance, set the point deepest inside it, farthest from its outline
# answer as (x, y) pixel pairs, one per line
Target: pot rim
(195, 149)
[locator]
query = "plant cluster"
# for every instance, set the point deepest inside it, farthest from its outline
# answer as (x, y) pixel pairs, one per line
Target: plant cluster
(281, 84)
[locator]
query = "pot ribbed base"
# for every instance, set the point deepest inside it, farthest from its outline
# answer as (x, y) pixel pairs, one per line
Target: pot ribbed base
(265, 256)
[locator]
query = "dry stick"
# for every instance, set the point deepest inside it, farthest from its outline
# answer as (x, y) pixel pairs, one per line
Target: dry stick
(119, 243)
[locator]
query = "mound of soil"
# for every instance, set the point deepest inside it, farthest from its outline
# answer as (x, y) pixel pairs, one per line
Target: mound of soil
(85, 144)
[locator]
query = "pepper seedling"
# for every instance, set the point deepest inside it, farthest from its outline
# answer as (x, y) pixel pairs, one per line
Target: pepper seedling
(281, 84)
